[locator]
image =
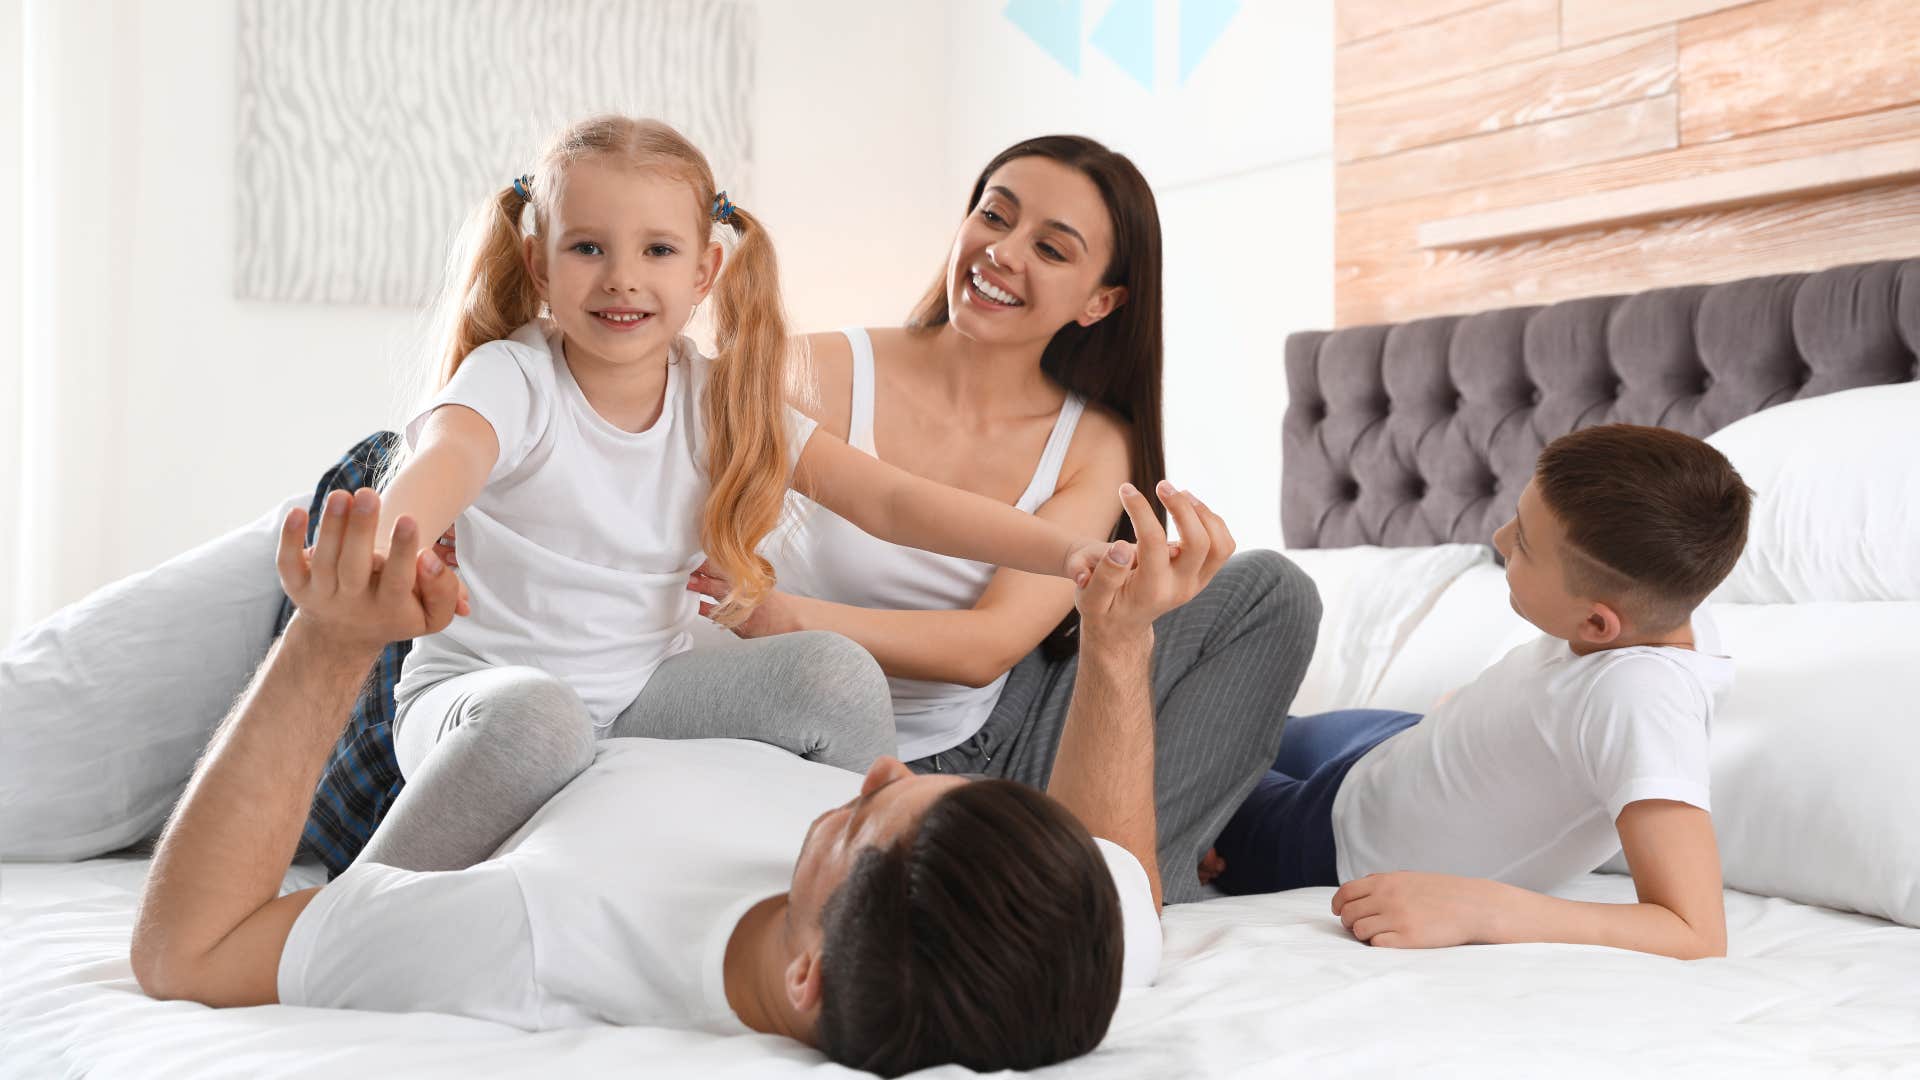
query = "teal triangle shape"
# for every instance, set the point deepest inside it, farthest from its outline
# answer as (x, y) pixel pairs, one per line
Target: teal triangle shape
(1202, 23)
(1125, 34)
(1054, 25)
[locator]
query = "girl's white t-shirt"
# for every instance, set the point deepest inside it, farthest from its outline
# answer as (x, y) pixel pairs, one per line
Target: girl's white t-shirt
(577, 551)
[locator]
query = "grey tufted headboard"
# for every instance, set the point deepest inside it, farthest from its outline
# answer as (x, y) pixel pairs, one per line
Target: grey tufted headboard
(1424, 432)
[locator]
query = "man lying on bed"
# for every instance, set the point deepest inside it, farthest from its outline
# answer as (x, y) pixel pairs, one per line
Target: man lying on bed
(926, 919)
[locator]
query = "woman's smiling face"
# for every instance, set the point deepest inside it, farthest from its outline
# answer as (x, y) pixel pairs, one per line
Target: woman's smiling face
(1031, 256)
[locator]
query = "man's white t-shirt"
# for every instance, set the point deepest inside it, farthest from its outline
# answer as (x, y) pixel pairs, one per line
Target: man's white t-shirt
(1519, 776)
(612, 905)
(577, 551)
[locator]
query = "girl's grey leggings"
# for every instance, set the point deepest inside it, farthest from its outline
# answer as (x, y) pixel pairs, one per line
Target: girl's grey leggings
(483, 751)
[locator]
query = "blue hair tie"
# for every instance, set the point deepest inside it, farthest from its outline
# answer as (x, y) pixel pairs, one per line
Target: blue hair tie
(722, 210)
(524, 185)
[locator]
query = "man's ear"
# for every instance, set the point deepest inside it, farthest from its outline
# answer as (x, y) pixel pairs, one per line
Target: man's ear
(1602, 626)
(534, 255)
(802, 983)
(1104, 303)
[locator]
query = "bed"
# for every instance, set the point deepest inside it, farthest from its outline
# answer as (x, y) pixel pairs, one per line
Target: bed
(1404, 447)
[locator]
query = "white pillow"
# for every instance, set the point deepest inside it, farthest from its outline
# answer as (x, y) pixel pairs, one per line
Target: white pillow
(1837, 515)
(108, 702)
(1814, 752)
(1371, 598)
(1471, 625)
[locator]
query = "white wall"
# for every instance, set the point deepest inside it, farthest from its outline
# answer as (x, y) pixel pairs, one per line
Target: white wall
(1240, 159)
(173, 411)
(12, 219)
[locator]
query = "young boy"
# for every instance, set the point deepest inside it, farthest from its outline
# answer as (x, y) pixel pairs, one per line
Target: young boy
(1590, 740)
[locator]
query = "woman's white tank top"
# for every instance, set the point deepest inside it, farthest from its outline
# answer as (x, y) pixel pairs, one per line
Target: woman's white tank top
(820, 554)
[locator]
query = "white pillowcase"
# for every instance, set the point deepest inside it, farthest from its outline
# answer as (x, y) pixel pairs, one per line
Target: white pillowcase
(1837, 513)
(1472, 624)
(1814, 751)
(108, 703)
(1371, 599)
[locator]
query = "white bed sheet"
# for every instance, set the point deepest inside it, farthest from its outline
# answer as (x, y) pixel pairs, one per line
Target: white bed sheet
(1251, 986)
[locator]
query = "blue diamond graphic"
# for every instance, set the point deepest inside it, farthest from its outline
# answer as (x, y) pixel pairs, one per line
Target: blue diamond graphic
(1054, 25)
(1202, 23)
(1125, 34)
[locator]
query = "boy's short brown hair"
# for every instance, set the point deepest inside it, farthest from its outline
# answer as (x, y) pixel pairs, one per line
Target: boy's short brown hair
(1656, 519)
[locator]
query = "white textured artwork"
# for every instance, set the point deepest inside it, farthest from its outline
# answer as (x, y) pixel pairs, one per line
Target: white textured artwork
(369, 129)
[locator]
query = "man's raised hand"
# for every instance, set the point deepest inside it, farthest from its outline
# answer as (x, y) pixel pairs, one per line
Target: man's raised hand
(1137, 583)
(349, 595)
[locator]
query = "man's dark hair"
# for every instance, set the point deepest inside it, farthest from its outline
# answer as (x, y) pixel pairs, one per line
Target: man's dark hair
(991, 938)
(1657, 518)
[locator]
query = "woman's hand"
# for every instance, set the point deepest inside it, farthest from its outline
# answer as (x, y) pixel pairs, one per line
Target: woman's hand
(774, 615)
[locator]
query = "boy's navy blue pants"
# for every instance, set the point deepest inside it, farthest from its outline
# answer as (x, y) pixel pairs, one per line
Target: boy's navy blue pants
(1282, 836)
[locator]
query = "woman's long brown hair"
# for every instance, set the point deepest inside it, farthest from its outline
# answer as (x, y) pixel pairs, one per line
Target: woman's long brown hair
(1117, 361)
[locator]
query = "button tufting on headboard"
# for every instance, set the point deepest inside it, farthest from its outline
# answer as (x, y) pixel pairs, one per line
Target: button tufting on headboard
(1424, 432)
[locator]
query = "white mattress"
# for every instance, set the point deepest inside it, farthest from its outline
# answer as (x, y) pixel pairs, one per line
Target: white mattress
(1251, 986)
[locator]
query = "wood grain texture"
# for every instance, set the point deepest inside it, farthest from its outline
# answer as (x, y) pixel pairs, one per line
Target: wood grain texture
(1624, 131)
(1392, 283)
(1473, 40)
(1784, 62)
(1356, 19)
(1392, 225)
(1608, 73)
(1582, 21)
(1857, 167)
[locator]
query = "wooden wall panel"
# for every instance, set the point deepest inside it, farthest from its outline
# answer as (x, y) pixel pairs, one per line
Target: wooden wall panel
(1780, 237)
(1582, 21)
(1612, 72)
(1356, 19)
(1421, 140)
(1786, 62)
(1473, 40)
(1624, 131)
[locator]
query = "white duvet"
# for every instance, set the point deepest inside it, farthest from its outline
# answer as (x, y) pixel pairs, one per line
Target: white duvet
(1254, 986)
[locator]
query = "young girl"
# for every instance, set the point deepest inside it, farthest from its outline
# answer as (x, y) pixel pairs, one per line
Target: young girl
(590, 455)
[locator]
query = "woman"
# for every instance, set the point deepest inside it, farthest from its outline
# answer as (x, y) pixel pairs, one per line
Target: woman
(1030, 373)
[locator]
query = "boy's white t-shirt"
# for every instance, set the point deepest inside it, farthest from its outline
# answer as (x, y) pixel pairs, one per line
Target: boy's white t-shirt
(1519, 776)
(612, 905)
(577, 551)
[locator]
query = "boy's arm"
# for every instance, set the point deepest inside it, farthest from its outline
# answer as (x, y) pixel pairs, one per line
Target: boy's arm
(901, 508)
(1675, 861)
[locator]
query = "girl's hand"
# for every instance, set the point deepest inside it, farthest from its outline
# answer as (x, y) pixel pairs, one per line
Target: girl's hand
(773, 616)
(339, 591)
(1082, 560)
(443, 547)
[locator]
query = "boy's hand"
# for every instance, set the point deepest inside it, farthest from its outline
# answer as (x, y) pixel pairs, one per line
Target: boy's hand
(1408, 910)
(345, 592)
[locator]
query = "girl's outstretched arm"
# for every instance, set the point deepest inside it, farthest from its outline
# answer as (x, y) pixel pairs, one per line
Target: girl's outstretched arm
(452, 457)
(901, 508)
(971, 646)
